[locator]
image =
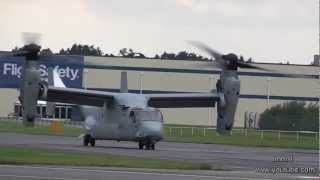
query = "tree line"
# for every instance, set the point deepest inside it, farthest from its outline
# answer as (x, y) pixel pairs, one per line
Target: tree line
(91, 50)
(86, 50)
(291, 116)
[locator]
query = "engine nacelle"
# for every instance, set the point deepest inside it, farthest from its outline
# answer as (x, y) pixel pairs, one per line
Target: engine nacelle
(229, 89)
(29, 93)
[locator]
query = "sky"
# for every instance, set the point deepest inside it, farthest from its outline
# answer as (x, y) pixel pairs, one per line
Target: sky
(266, 30)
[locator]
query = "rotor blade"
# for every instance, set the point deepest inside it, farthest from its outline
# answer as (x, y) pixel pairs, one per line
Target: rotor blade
(31, 38)
(219, 62)
(209, 65)
(250, 66)
(207, 49)
(279, 73)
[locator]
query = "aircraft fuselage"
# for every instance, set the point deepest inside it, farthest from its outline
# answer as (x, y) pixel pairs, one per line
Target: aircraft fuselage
(124, 122)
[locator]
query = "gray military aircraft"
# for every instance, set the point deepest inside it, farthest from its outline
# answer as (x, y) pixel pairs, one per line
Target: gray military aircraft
(127, 116)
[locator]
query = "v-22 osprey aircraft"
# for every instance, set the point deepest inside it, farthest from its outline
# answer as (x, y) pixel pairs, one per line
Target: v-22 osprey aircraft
(127, 116)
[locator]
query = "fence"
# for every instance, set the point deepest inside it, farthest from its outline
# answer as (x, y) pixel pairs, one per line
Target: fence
(205, 131)
(180, 131)
(41, 122)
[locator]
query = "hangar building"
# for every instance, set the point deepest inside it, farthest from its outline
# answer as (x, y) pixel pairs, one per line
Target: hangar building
(259, 89)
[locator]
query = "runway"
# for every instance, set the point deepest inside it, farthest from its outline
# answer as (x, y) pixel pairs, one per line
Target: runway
(229, 158)
(12, 172)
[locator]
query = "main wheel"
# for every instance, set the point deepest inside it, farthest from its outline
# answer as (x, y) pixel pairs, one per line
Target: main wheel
(86, 140)
(152, 146)
(92, 141)
(140, 145)
(148, 146)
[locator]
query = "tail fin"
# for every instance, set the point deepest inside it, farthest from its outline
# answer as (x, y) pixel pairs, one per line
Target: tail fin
(56, 80)
(53, 80)
(50, 105)
(124, 82)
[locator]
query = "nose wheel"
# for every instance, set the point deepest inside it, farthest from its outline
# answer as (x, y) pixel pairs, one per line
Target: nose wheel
(147, 145)
(141, 145)
(88, 139)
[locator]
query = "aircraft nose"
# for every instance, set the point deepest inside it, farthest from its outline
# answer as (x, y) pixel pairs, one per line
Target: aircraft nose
(151, 129)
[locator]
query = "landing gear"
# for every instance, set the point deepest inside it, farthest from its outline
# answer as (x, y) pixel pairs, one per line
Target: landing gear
(92, 142)
(140, 145)
(149, 145)
(88, 139)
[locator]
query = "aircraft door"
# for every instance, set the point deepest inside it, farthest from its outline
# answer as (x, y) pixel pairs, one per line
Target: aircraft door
(124, 126)
(132, 123)
(109, 125)
(133, 119)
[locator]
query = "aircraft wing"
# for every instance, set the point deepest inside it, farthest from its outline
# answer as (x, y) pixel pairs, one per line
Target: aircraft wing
(181, 100)
(78, 96)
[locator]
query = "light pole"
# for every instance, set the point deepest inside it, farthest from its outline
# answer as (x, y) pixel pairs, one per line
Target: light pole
(84, 76)
(140, 81)
(268, 91)
(211, 83)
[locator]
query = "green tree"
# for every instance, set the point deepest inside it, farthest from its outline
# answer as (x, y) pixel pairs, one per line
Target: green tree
(182, 55)
(85, 50)
(130, 53)
(46, 52)
(291, 116)
(166, 55)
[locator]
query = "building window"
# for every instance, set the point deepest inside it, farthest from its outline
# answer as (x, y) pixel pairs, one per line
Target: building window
(17, 110)
(38, 111)
(56, 112)
(69, 112)
(20, 110)
(63, 113)
(44, 109)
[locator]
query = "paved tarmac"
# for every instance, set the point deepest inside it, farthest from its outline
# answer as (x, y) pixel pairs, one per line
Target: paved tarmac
(12, 172)
(248, 161)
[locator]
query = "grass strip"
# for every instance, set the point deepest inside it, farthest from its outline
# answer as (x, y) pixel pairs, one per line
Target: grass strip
(17, 127)
(15, 155)
(251, 138)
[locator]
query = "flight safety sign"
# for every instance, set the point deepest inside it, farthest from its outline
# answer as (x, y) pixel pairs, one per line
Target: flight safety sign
(69, 68)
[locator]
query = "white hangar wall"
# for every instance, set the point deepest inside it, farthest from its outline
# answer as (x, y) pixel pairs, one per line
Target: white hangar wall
(282, 87)
(8, 97)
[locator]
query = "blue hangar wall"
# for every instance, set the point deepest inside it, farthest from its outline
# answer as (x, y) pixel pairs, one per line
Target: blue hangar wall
(70, 69)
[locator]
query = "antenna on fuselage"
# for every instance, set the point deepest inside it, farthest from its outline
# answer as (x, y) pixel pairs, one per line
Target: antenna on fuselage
(124, 82)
